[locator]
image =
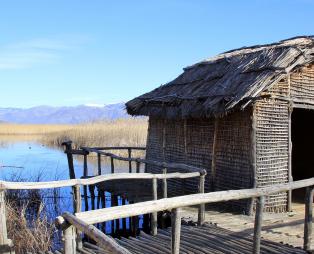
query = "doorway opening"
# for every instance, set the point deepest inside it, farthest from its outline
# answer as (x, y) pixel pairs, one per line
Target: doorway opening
(302, 137)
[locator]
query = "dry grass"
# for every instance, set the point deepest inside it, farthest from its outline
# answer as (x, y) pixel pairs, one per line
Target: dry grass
(28, 236)
(124, 132)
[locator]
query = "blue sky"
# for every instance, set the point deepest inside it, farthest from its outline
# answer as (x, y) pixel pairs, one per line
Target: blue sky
(57, 52)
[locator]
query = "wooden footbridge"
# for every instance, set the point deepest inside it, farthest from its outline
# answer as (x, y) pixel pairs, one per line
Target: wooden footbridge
(181, 237)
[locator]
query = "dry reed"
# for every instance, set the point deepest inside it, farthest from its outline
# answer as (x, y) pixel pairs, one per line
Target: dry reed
(123, 132)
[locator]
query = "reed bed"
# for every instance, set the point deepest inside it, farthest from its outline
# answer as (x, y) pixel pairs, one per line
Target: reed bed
(123, 132)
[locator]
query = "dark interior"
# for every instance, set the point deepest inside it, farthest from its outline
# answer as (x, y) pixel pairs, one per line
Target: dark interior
(302, 136)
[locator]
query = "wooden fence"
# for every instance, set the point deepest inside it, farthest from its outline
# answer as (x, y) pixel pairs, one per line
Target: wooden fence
(6, 244)
(84, 220)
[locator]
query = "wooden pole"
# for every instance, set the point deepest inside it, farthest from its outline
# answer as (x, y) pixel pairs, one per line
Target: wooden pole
(112, 165)
(77, 209)
(289, 204)
(68, 149)
(164, 184)
(258, 224)
(138, 166)
(213, 164)
(85, 174)
(201, 209)
(69, 236)
(3, 222)
(253, 155)
(175, 230)
(154, 214)
(308, 218)
(99, 163)
(130, 162)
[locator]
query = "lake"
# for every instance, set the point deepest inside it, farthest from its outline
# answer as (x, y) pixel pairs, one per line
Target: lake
(32, 161)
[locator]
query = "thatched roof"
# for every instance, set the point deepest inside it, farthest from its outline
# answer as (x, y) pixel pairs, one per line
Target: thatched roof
(227, 81)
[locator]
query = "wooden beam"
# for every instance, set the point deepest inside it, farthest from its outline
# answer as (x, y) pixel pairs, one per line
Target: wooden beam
(99, 163)
(112, 165)
(290, 178)
(164, 185)
(130, 162)
(3, 221)
(68, 149)
(253, 154)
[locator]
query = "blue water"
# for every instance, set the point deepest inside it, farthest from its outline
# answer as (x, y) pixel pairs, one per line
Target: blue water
(30, 161)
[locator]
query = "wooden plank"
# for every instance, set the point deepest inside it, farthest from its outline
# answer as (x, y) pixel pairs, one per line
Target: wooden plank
(258, 225)
(175, 230)
(92, 217)
(99, 237)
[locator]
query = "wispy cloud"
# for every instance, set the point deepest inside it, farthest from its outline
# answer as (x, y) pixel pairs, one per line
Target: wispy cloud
(25, 54)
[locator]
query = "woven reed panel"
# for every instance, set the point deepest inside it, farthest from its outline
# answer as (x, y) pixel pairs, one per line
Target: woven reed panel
(233, 157)
(272, 149)
(302, 84)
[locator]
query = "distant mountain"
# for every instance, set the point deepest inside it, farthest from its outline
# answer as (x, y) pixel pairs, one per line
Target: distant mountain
(63, 115)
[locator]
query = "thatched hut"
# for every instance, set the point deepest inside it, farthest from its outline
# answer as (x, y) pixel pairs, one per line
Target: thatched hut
(245, 115)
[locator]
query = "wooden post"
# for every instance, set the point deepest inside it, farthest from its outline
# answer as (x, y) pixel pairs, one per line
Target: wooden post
(164, 184)
(308, 218)
(213, 164)
(99, 163)
(5, 243)
(258, 224)
(69, 240)
(77, 209)
(201, 209)
(153, 223)
(130, 156)
(289, 205)
(138, 166)
(112, 165)
(175, 230)
(85, 174)
(68, 149)
(253, 155)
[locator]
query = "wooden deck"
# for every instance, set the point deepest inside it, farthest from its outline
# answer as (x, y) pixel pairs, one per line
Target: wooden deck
(206, 239)
(286, 228)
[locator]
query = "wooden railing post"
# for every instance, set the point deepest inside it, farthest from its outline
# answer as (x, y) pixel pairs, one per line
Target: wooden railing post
(258, 224)
(68, 149)
(99, 163)
(5, 243)
(153, 222)
(130, 162)
(164, 184)
(308, 218)
(69, 238)
(85, 174)
(175, 230)
(77, 209)
(138, 166)
(201, 209)
(112, 165)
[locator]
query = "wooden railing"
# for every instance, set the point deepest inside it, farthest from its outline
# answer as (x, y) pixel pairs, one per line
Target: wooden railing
(85, 220)
(5, 243)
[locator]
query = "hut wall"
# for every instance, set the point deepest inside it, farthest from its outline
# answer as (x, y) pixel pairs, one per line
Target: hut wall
(302, 85)
(191, 142)
(233, 157)
(272, 149)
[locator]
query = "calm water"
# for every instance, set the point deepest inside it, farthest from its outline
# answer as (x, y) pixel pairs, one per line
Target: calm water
(30, 161)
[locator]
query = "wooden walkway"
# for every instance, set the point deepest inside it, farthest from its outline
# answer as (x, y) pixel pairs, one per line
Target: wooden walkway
(198, 240)
(286, 228)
